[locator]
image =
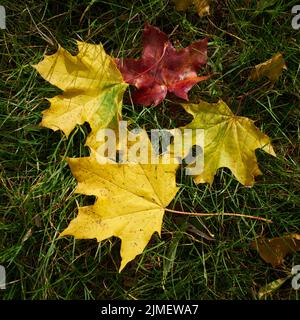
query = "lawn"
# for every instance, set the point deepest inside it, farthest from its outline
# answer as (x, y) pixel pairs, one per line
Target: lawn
(37, 187)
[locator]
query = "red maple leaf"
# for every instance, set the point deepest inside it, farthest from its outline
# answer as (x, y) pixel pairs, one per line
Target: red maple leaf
(162, 68)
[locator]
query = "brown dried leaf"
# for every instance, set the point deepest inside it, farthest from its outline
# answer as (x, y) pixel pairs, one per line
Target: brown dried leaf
(271, 69)
(201, 6)
(274, 250)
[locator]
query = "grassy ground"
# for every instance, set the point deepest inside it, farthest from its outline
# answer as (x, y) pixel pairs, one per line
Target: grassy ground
(37, 199)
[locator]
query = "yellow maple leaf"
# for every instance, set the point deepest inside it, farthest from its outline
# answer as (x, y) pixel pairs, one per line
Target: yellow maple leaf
(229, 141)
(130, 204)
(92, 84)
(271, 69)
(201, 6)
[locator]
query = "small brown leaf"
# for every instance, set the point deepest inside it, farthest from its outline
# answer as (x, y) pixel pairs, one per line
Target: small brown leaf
(271, 69)
(274, 250)
(182, 5)
(201, 6)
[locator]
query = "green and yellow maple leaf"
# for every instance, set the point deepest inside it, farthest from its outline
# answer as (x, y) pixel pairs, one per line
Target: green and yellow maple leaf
(130, 204)
(92, 88)
(229, 141)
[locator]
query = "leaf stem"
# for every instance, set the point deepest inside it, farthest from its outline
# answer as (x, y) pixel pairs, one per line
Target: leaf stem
(218, 214)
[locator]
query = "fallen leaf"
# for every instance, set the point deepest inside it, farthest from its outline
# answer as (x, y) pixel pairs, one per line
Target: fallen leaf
(182, 5)
(229, 141)
(201, 6)
(130, 204)
(92, 84)
(274, 250)
(271, 287)
(162, 68)
(271, 69)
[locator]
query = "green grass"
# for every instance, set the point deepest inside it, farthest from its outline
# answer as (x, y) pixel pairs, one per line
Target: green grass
(37, 199)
